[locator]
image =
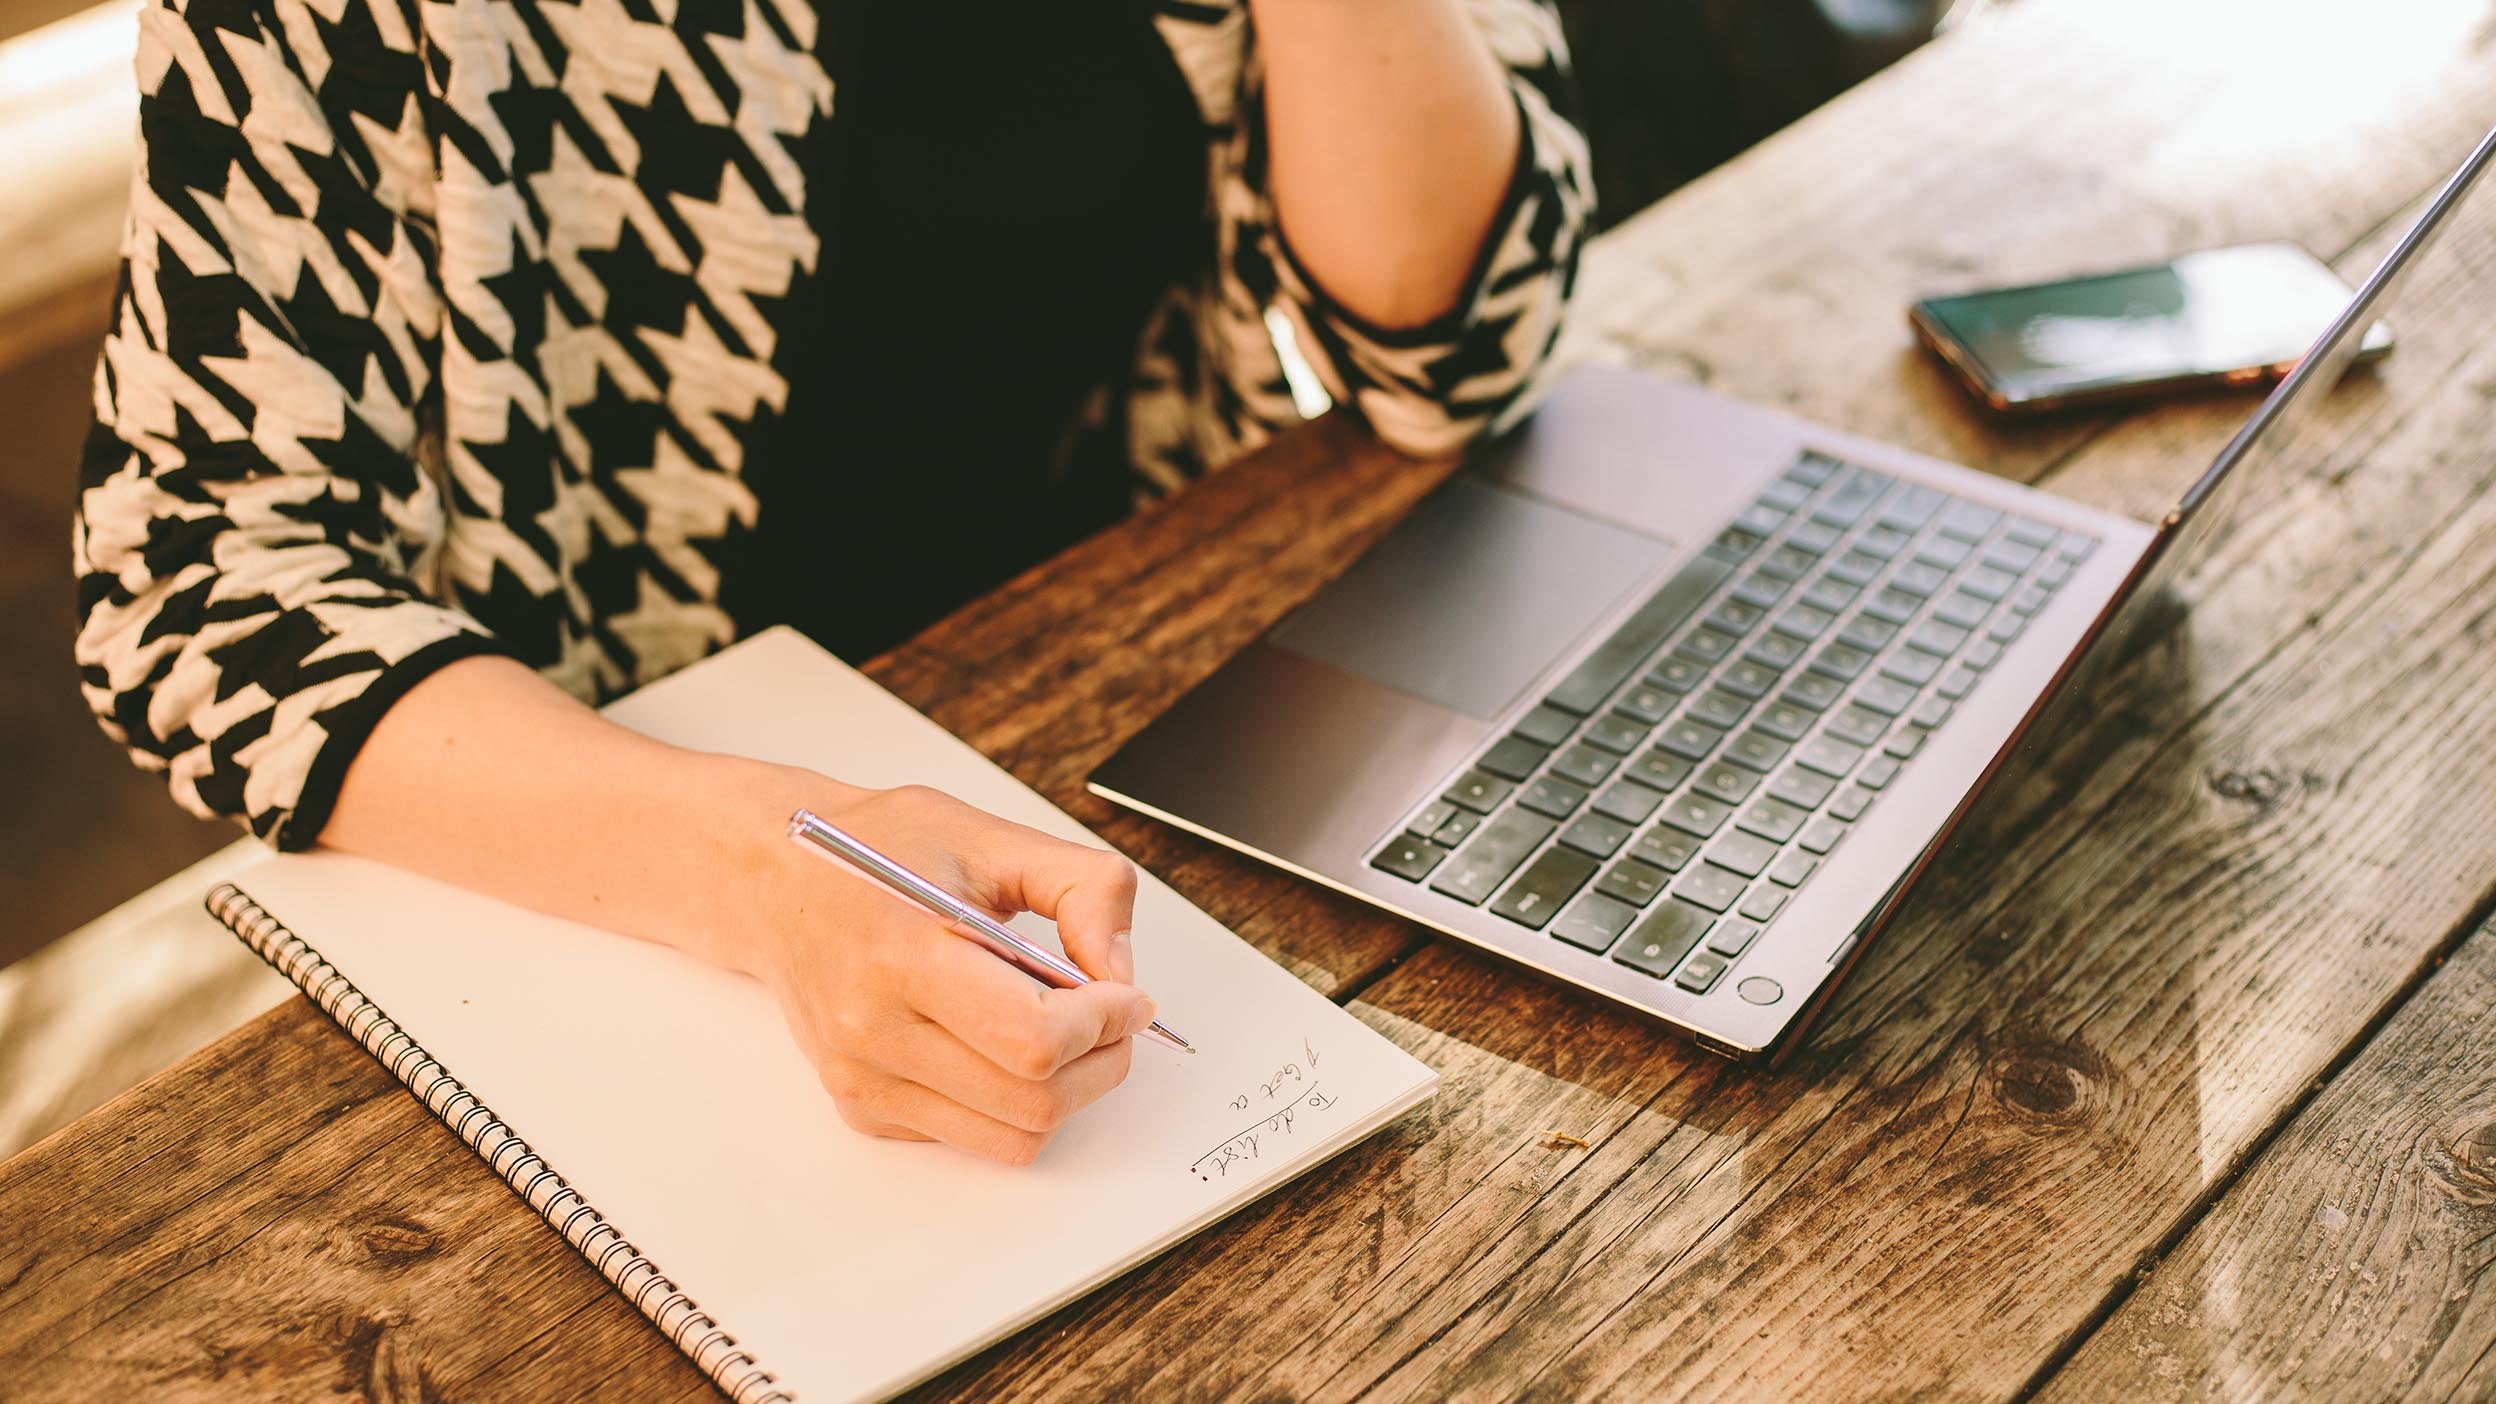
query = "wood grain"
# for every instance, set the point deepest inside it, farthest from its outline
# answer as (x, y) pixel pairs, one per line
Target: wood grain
(2353, 1259)
(2108, 1002)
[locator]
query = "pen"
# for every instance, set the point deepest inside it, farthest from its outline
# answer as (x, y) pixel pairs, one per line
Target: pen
(1003, 942)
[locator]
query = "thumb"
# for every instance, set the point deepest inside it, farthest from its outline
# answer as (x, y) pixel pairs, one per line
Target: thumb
(1088, 892)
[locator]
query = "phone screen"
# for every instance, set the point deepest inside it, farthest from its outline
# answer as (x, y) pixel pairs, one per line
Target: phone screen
(2202, 316)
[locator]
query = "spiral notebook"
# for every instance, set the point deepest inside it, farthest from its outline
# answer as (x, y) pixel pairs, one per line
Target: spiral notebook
(655, 1113)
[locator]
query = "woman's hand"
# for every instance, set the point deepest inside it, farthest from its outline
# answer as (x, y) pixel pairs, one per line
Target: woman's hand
(917, 1032)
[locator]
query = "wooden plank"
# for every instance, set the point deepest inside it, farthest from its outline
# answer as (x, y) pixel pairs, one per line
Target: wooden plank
(2351, 1261)
(2029, 1084)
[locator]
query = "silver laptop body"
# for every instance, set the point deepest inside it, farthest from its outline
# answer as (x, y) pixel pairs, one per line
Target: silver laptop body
(1371, 740)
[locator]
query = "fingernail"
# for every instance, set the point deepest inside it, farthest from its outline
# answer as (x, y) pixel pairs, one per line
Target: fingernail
(1142, 1019)
(1122, 954)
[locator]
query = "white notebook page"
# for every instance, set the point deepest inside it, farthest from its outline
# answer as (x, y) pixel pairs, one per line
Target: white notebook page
(670, 1094)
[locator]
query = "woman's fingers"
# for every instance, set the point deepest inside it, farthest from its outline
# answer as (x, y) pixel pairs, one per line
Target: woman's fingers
(881, 1104)
(1026, 1029)
(1088, 892)
(933, 1057)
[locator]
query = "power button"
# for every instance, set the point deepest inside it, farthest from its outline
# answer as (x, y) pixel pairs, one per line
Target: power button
(1759, 989)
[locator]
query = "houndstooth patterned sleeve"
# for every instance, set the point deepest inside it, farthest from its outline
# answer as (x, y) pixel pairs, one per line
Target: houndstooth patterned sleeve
(1429, 389)
(253, 519)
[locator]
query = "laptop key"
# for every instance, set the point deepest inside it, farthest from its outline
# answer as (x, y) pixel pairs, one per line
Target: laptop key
(1702, 973)
(1804, 621)
(1830, 593)
(1919, 579)
(1783, 720)
(1912, 508)
(1773, 819)
(1985, 654)
(1733, 544)
(1616, 733)
(1601, 672)
(1431, 817)
(1854, 497)
(1843, 661)
(2029, 600)
(1690, 739)
(1547, 883)
(1761, 589)
(1887, 696)
(1884, 540)
(1801, 788)
(2012, 556)
(1595, 833)
(1633, 881)
(1791, 869)
(1677, 675)
(1962, 610)
(1934, 712)
(1829, 756)
(1735, 616)
(1858, 725)
(1661, 769)
(1760, 517)
(2028, 533)
(1814, 690)
(1513, 758)
(1937, 637)
(2074, 548)
(1911, 667)
(1695, 814)
(1629, 802)
(1548, 795)
(1764, 902)
(1409, 858)
(1665, 849)
(1970, 521)
(1813, 468)
(1903, 745)
(1730, 783)
(1732, 938)
(1645, 704)
(1593, 922)
(1668, 933)
(1709, 886)
(1718, 708)
(1705, 644)
(1547, 726)
(1851, 805)
(1856, 568)
(1815, 537)
(1584, 765)
(1947, 552)
(1956, 683)
(1491, 855)
(1867, 631)
(1785, 494)
(2007, 627)
(1747, 680)
(1775, 650)
(1458, 827)
(2056, 572)
(1986, 583)
(1892, 605)
(1878, 772)
(1478, 792)
(1788, 564)
(1747, 854)
(1821, 835)
(1756, 749)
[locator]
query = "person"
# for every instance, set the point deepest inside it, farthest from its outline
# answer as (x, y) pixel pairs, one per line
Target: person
(475, 361)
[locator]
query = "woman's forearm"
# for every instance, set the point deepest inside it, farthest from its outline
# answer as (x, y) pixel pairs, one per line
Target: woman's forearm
(1392, 135)
(487, 776)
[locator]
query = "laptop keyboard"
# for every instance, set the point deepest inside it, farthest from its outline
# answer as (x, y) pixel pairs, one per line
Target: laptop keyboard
(1666, 798)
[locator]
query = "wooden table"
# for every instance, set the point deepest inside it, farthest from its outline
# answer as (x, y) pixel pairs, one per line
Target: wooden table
(2177, 1083)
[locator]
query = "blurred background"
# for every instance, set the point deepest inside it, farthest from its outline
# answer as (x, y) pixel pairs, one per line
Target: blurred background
(1671, 89)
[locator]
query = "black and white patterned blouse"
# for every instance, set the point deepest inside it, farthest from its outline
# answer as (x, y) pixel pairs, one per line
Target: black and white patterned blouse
(447, 327)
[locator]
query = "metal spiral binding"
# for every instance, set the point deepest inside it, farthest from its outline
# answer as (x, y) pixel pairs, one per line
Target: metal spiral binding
(695, 1333)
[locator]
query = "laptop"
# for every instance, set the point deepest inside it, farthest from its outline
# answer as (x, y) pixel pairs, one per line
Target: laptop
(1673, 698)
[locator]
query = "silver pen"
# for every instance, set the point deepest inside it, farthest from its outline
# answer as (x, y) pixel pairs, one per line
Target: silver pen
(1001, 941)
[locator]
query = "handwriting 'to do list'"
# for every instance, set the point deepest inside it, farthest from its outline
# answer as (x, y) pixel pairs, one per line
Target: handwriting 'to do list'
(1281, 1101)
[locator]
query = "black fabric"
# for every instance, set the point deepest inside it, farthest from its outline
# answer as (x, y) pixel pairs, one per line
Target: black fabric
(1005, 197)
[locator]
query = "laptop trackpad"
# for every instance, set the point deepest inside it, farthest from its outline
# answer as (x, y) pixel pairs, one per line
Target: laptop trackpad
(1472, 597)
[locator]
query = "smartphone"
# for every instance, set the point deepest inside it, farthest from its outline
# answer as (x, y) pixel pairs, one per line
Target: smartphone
(2222, 317)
